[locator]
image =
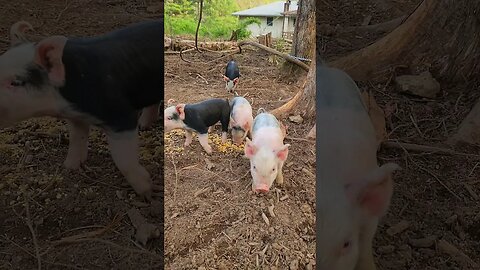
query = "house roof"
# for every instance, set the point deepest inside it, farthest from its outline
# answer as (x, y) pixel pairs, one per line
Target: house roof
(290, 13)
(274, 9)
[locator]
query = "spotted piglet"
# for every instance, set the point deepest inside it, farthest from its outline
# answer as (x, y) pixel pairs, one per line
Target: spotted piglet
(103, 81)
(198, 117)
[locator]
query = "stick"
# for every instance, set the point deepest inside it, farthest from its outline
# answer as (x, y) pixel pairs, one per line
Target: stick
(439, 181)
(202, 78)
(67, 4)
(423, 148)
(275, 52)
(138, 251)
(28, 220)
(176, 178)
(299, 139)
(380, 27)
(181, 56)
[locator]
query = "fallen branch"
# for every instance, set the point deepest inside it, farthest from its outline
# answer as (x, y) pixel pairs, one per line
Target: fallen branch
(117, 246)
(424, 148)
(379, 27)
(439, 181)
(300, 139)
(90, 234)
(275, 52)
(28, 220)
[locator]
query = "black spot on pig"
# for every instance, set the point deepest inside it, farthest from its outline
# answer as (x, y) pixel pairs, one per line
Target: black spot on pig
(175, 116)
(36, 77)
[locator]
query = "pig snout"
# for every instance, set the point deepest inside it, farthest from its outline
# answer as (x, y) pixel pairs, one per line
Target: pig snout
(261, 188)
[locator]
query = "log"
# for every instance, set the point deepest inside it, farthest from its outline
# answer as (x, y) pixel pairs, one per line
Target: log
(275, 52)
(180, 45)
(379, 27)
(362, 63)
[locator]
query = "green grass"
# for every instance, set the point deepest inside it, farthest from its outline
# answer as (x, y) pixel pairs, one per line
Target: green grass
(181, 18)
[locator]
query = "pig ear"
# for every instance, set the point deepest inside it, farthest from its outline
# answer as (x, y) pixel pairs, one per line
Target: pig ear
(235, 81)
(225, 78)
(180, 108)
(250, 148)
(282, 153)
(375, 191)
(232, 121)
(17, 32)
(170, 101)
(49, 54)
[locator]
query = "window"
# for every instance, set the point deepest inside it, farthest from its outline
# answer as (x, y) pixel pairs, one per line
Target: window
(269, 21)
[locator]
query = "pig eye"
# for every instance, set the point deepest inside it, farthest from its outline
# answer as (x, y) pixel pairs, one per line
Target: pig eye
(169, 118)
(345, 247)
(17, 83)
(254, 167)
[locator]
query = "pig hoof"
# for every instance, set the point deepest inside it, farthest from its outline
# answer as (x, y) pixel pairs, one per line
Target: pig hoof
(187, 143)
(73, 164)
(208, 150)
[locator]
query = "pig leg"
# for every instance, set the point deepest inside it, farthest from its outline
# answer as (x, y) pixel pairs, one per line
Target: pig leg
(125, 153)
(188, 138)
(203, 139)
(149, 116)
(210, 129)
(280, 173)
(77, 145)
(365, 258)
(224, 137)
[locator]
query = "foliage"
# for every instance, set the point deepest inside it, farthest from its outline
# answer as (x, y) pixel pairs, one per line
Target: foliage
(242, 31)
(181, 17)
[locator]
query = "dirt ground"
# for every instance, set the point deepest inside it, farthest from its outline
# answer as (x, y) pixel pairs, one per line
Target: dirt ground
(89, 206)
(212, 218)
(435, 196)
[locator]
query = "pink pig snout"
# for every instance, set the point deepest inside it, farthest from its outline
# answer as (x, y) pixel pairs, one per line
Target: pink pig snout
(262, 188)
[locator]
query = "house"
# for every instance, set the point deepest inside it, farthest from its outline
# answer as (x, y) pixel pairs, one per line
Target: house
(277, 18)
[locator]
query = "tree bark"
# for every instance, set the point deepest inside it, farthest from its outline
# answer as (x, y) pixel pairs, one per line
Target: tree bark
(442, 33)
(303, 44)
(304, 33)
(303, 102)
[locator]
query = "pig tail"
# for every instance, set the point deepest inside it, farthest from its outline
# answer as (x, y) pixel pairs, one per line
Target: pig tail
(261, 110)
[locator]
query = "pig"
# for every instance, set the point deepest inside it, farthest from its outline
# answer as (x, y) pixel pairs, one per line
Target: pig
(231, 77)
(198, 117)
(103, 81)
(266, 151)
(353, 192)
(241, 119)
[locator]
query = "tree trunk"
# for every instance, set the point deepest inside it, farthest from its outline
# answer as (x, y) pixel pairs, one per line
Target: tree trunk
(303, 102)
(304, 34)
(442, 33)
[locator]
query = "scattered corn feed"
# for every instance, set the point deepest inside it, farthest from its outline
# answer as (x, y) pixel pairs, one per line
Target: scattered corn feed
(175, 139)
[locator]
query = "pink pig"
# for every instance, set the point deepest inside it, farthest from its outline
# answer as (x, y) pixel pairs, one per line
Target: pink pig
(353, 191)
(241, 119)
(266, 151)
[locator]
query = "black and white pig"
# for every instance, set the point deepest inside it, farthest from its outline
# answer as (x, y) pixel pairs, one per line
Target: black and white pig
(198, 117)
(102, 81)
(231, 77)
